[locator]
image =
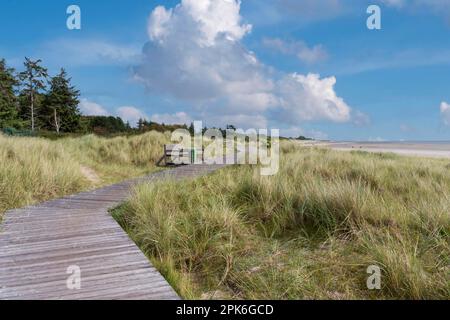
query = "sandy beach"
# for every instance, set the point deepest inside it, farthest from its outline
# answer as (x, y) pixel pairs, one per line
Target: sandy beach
(418, 149)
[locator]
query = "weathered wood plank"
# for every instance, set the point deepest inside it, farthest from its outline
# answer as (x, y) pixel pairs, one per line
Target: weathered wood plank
(38, 243)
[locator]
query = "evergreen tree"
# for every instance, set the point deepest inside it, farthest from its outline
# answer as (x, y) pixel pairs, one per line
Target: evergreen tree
(140, 124)
(33, 82)
(8, 100)
(60, 111)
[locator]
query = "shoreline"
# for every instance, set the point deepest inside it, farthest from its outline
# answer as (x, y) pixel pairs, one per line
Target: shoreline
(432, 149)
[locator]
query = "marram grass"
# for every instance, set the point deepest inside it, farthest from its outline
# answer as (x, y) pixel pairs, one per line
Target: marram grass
(36, 169)
(309, 232)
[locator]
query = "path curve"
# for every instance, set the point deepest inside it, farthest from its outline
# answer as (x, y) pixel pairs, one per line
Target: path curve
(39, 243)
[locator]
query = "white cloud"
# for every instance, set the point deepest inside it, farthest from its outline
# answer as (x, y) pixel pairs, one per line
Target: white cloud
(445, 113)
(195, 54)
(209, 20)
(297, 48)
(89, 108)
(308, 98)
(218, 17)
(176, 118)
(130, 114)
(157, 24)
(127, 113)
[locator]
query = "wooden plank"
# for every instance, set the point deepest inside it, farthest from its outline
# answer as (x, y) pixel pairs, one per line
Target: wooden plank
(38, 243)
(115, 257)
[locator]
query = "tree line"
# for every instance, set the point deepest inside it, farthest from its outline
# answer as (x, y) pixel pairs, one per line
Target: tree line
(33, 100)
(144, 125)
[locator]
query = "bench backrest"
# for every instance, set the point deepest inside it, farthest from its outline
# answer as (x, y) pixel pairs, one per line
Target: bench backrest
(173, 154)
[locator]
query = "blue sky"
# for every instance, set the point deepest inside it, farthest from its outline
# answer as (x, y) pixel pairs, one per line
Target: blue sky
(306, 67)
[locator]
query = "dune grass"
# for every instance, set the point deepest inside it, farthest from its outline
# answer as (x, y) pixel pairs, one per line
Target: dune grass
(37, 169)
(309, 232)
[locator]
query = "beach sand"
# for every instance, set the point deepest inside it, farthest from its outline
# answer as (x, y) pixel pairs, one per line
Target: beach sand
(419, 149)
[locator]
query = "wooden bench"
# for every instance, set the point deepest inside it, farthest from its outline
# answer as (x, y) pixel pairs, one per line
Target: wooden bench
(174, 155)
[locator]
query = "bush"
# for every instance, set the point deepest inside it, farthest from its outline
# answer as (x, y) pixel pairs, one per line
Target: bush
(19, 133)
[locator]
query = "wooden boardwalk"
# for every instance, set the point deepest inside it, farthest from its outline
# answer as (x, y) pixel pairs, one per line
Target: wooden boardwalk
(38, 244)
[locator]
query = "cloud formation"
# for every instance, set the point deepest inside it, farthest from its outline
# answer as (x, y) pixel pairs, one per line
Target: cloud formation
(130, 114)
(195, 54)
(89, 108)
(127, 113)
(308, 98)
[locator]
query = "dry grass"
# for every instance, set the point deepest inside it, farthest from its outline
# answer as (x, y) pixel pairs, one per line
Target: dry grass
(309, 232)
(36, 169)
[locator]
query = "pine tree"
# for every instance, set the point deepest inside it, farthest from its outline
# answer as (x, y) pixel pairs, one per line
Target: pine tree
(8, 100)
(33, 82)
(140, 124)
(60, 108)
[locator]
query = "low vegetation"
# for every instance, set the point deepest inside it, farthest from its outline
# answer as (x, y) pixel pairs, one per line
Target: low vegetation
(37, 169)
(309, 232)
